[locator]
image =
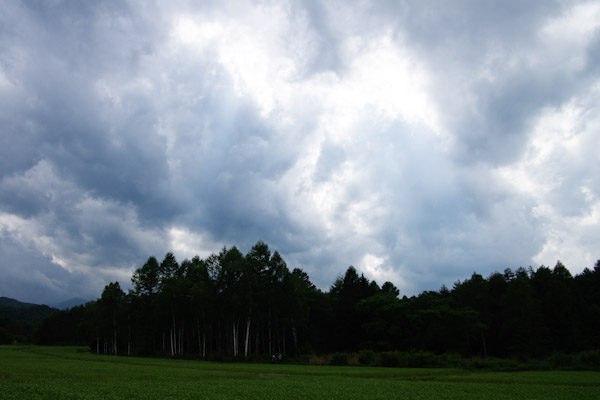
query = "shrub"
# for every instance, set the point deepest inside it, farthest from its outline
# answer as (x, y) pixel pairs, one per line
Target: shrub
(492, 363)
(317, 360)
(561, 360)
(353, 359)
(591, 358)
(5, 336)
(421, 359)
(303, 359)
(450, 360)
(367, 357)
(339, 359)
(392, 359)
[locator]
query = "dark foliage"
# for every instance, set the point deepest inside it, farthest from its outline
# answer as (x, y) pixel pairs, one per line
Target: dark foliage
(234, 306)
(18, 320)
(16, 310)
(63, 327)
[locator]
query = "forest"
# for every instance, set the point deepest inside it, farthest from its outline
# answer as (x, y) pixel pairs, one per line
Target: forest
(235, 306)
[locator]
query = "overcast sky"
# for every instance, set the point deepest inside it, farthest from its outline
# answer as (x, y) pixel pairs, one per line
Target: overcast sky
(419, 141)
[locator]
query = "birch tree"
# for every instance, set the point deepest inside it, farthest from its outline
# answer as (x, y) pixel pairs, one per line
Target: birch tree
(111, 306)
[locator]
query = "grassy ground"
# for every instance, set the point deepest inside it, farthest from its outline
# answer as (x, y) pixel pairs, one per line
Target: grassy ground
(70, 373)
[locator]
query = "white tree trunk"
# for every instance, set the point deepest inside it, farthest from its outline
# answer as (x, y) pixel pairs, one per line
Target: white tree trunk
(115, 334)
(270, 339)
(200, 349)
(173, 337)
(128, 334)
(171, 340)
(235, 340)
(181, 330)
(203, 336)
(295, 337)
(247, 335)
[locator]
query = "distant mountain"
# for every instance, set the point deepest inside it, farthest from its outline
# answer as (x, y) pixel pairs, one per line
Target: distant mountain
(75, 301)
(27, 312)
(8, 302)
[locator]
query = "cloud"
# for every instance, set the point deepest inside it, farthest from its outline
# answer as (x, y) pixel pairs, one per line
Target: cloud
(558, 173)
(417, 142)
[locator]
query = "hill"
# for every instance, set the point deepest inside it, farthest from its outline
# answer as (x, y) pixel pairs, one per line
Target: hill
(26, 312)
(12, 303)
(74, 302)
(18, 320)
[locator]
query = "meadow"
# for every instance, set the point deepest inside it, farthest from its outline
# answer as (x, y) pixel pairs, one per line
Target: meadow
(37, 372)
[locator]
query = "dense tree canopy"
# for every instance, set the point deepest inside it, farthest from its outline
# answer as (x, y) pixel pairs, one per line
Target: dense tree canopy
(240, 306)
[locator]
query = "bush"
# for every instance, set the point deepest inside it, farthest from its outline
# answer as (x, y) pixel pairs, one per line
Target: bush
(561, 360)
(353, 360)
(591, 358)
(303, 359)
(339, 359)
(450, 360)
(393, 359)
(317, 360)
(422, 359)
(5, 336)
(367, 357)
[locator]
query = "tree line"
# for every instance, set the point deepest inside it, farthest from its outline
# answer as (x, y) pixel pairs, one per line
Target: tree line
(236, 306)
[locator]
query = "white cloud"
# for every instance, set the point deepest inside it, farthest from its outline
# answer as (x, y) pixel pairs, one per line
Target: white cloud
(187, 244)
(566, 37)
(375, 269)
(556, 174)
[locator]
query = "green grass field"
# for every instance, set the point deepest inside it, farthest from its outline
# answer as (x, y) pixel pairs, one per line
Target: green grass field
(36, 372)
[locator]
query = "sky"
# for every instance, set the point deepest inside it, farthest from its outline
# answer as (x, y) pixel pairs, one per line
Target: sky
(419, 141)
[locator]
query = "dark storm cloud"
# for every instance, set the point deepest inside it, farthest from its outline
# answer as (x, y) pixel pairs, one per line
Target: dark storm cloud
(404, 138)
(62, 169)
(34, 278)
(62, 52)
